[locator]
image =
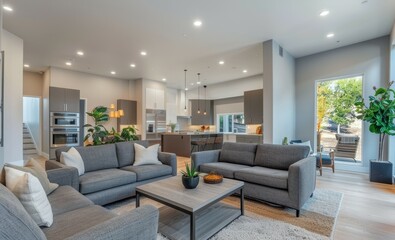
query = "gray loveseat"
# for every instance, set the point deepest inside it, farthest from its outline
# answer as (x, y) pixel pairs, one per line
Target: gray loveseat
(109, 172)
(75, 218)
(278, 174)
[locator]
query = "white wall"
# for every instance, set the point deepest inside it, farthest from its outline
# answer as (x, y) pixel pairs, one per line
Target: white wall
(391, 139)
(32, 84)
(234, 88)
(32, 118)
(279, 93)
(98, 90)
(369, 58)
(13, 86)
(45, 111)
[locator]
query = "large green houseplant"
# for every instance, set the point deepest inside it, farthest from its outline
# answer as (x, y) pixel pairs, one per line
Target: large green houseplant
(97, 132)
(380, 114)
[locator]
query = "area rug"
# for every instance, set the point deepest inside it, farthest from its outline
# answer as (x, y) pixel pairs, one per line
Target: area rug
(261, 221)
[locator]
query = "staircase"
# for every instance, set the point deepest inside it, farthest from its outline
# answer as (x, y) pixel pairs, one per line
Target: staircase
(29, 149)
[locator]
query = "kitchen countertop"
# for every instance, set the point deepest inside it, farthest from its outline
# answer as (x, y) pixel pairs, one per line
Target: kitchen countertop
(207, 133)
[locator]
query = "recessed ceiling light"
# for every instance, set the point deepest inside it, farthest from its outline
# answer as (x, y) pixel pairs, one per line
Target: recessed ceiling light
(197, 23)
(245, 71)
(26, 65)
(221, 62)
(143, 53)
(80, 53)
(133, 65)
(324, 13)
(164, 79)
(198, 83)
(8, 8)
(330, 35)
(69, 63)
(186, 89)
(113, 73)
(192, 84)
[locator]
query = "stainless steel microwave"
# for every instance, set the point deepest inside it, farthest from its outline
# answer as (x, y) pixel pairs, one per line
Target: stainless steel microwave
(61, 119)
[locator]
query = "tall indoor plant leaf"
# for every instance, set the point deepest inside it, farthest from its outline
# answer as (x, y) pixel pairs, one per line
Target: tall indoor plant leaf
(379, 113)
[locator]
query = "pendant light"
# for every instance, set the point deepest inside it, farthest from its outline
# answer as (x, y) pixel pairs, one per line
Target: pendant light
(185, 89)
(198, 111)
(205, 99)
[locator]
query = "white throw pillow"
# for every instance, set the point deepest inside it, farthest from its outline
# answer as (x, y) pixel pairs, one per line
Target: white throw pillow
(307, 143)
(28, 190)
(72, 158)
(145, 156)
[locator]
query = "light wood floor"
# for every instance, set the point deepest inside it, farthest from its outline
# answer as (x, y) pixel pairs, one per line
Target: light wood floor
(367, 210)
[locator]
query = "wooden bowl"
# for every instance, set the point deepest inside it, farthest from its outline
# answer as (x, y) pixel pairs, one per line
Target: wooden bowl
(213, 178)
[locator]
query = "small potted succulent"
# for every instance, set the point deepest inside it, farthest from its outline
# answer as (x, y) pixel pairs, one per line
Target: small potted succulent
(190, 177)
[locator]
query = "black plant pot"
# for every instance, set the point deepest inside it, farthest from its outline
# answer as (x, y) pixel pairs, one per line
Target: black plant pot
(380, 171)
(190, 183)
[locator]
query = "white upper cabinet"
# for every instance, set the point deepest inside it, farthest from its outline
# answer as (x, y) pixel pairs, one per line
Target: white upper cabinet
(155, 99)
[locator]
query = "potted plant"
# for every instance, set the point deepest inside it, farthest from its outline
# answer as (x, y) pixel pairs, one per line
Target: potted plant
(380, 114)
(172, 126)
(190, 177)
(97, 132)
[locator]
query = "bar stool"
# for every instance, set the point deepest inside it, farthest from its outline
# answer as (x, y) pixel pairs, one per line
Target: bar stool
(198, 143)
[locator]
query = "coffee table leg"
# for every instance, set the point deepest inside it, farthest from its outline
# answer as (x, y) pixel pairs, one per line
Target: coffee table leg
(137, 200)
(242, 201)
(192, 225)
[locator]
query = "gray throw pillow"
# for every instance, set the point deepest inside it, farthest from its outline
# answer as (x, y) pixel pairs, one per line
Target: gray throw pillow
(33, 167)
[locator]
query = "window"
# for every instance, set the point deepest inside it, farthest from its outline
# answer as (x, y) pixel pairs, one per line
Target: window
(231, 123)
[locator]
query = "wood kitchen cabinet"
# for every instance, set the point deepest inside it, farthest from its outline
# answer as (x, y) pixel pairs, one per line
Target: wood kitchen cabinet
(154, 99)
(129, 108)
(200, 118)
(64, 100)
(253, 107)
(249, 138)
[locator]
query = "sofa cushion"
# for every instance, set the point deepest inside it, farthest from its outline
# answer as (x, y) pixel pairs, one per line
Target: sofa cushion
(239, 153)
(98, 157)
(145, 172)
(105, 179)
(33, 167)
(279, 156)
(72, 158)
(15, 221)
(125, 152)
(225, 169)
(264, 176)
(31, 194)
(70, 223)
(66, 199)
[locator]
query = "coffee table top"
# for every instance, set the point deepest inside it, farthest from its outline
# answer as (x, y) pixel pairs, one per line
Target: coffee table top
(171, 191)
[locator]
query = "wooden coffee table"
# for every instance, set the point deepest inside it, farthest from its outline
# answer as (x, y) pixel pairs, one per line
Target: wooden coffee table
(192, 213)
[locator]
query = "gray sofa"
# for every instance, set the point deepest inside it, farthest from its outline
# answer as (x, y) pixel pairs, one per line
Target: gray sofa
(278, 174)
(109, 172)
(75, 217)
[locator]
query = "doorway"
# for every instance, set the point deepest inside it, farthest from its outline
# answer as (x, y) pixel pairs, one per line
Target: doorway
(337, 127)
(31, 127)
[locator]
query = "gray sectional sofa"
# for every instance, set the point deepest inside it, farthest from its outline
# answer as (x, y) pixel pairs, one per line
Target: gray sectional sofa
(278, 174)
(109, 172)
(75, 218)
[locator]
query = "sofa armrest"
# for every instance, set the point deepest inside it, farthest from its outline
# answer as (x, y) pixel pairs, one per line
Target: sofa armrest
(169, 159)
(199, 158)
(140, 223)
(62, 174)
(302, 180)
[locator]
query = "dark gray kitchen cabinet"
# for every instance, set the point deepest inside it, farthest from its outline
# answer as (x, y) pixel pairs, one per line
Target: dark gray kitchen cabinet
(64, 100)
(129, 108)
(201, 118)
(253, 106)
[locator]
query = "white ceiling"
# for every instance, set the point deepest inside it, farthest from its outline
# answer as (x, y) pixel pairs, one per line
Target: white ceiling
(112, 33)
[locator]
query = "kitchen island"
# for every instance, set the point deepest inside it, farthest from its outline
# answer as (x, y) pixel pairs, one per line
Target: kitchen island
(182, 143)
